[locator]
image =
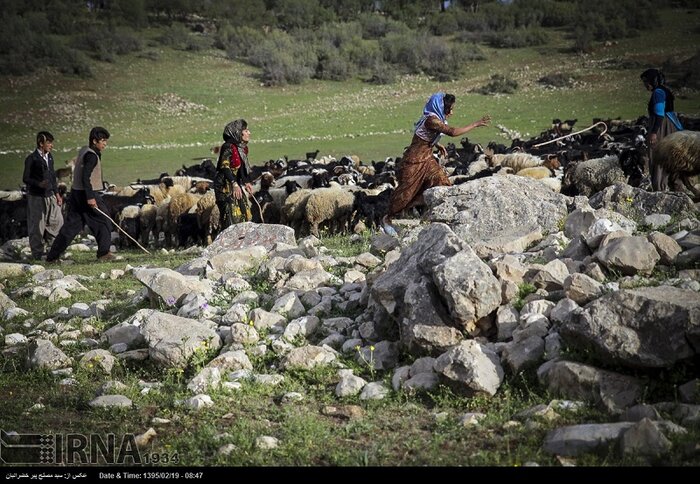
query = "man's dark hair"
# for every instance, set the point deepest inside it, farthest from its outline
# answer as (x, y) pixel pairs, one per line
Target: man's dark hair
(98, 133)
(43, 137)
(448, 101)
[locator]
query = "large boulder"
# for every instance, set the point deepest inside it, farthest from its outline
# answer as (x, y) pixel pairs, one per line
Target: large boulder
(438, 284)
(481, 211)
(649, 327)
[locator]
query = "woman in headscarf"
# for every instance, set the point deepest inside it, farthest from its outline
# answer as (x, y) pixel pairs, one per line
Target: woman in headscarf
(419, 169)
(662, 122)
(232, 174)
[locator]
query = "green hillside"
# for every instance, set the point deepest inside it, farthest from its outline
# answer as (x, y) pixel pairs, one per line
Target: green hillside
(167, 112)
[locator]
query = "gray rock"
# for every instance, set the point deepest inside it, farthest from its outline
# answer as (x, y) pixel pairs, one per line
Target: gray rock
(98, 359)
(629, 255)
(349, 385)
(172, 340)
(690, 392)
(207, 378)
(575, 440)
(374, 391)
(625, 327)
(249, 234)
(307, 357)
(108, 401)
(644, 438)
(43, 354)
(611, 391)
(522, 354)
(581, 288)
(470, 368)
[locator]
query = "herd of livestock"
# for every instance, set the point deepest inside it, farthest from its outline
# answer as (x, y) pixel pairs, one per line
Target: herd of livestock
(346, 194)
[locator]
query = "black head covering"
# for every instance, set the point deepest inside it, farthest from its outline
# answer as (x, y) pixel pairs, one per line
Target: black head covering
(653, 77)
(658, 81)
(233, 132)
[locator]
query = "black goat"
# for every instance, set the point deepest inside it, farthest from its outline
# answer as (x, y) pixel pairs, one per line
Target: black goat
(154, 181)
(312, 155)
(370, 208)
(205, 169)
(13, 219)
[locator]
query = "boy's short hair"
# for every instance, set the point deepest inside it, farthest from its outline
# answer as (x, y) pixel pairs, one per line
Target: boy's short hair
(43, 137)
(98, 133)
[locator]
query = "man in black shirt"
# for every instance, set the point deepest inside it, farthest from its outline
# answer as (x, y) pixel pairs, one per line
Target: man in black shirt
(44, 217)
(84, 197)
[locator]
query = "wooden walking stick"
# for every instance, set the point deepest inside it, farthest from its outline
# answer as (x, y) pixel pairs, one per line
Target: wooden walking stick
(122, 230)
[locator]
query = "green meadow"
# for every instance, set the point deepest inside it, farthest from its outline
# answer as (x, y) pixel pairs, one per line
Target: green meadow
(168, 112)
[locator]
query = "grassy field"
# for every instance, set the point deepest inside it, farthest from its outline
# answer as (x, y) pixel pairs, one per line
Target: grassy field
(165, 114)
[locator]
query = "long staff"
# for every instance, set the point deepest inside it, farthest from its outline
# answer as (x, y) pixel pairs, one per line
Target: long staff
(577, 132)
(122, 230)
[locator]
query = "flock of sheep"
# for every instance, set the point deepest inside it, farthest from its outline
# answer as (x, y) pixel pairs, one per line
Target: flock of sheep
(345, 195)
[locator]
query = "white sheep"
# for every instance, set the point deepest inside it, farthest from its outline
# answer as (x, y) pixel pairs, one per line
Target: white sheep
(208, 216)
(179, 205)
(293, 212)
(129, 221)
(147, 219)
(331, 206)
(516, 161)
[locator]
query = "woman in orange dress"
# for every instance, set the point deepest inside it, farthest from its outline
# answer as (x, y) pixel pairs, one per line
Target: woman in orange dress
(419, 169)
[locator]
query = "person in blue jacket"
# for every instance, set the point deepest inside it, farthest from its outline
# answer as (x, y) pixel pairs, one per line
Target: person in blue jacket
(662, 121)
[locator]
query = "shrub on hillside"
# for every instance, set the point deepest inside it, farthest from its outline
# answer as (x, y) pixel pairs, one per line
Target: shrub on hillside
(515, 38)
(444, 23)
(238, 41)
(365, 54)
(24, 50)
(302, 14)
(105, 45)
(72, 62)
(176, 36)
(283, 59)
(403, 50)
(382, 73)
(374, 26)
(333, 67)
(557, 80)
(498, 84)
(131, 12)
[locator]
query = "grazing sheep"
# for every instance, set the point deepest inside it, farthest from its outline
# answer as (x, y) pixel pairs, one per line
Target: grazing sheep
(11, 195)
(129, 221)
(679, 154)
(188, 229)
(518, 161)
(594, 175)
(163, 222)
(293, 212)
(147, 221)
(207, 217)
(331, 206)
(179, 205)
(537, 172)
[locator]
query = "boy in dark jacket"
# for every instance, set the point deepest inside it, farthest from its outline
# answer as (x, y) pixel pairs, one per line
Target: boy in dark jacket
(44, 217)
(84, 197)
